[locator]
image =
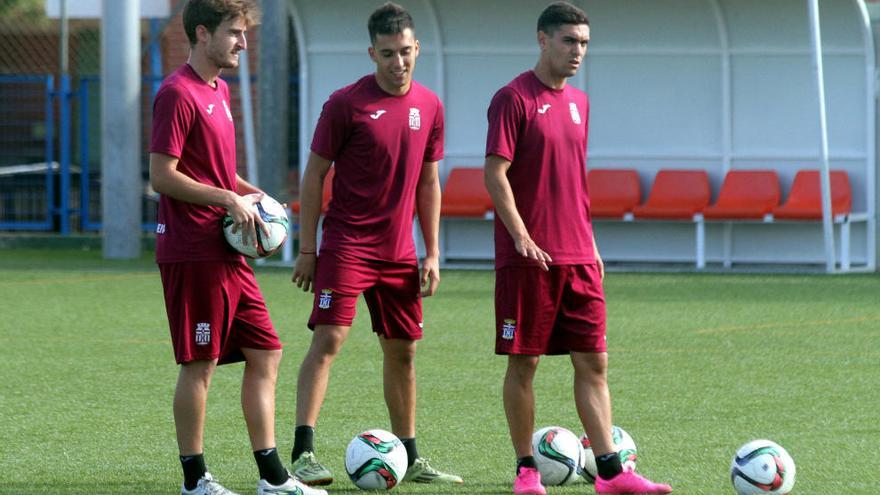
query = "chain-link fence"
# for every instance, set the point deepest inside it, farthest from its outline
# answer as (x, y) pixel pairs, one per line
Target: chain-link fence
(50, 128)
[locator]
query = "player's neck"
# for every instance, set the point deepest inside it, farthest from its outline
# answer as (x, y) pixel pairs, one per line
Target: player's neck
(546, 76)
(206, 70)
(391, 89)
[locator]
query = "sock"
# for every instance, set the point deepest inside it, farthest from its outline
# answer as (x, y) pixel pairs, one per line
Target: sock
(412, 453)
(193, 469)
(303, 441)
(270, 466)
(608, 465)
(525, 462)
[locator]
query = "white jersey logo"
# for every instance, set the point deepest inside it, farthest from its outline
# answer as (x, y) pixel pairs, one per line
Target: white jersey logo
(325, 298)
(544, 108)
(160, 228)
(203, 333)
(228, 113)
(508, 329)
(210, 109)
(415, 120)
(375, 116)
(575, 115)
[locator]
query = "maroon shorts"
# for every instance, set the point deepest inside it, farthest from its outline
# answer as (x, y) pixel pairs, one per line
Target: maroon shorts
(214, 310)
(391, 291)
(555, 312)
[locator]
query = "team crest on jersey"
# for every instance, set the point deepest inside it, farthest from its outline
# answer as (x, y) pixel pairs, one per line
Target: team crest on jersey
(325, 298)
(203, 333)
(415, 119)
(575, 115)
(228, 112)
(508, 328)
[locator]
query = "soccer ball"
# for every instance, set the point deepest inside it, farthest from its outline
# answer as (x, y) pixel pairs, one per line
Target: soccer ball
(375, 460)
(623, 444)
(764, 467)
(558, 454)
(274, 216)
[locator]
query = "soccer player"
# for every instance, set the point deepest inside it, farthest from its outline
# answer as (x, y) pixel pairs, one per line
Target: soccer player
(384, 136)
(216, 312)
(548, 272)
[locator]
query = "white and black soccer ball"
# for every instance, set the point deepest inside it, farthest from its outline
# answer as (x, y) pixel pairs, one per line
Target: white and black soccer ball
(762, 467)
(623, 444)
(274, 216)
(558, 455)
(375, 460)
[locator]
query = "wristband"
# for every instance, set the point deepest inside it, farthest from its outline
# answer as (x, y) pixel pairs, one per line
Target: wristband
(308, 252)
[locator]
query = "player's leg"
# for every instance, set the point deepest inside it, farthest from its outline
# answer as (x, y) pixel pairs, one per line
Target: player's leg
(339, 280)
(519, 408)
(197, 324)
(396, 315)
(580, 329)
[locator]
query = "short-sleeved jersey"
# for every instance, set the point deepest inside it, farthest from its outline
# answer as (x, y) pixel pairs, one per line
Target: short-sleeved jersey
(192, 121)
(378, 143)
(543, 133)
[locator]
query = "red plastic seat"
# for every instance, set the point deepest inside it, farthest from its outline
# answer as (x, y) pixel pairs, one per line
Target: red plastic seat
(465, 195)
(805, 199)
(613, 192)
(327, 193)
(676, 195)
(745, 195)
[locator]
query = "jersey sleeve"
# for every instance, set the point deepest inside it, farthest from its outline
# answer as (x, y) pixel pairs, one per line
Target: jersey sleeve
(505, 114)
(333, 128)
(434, 148)
(173, 116)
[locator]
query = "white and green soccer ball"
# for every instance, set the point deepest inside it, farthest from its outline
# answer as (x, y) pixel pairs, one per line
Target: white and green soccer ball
(274, 216)
(623, 444)
(375, 460)
(762, 467)
(558, 455)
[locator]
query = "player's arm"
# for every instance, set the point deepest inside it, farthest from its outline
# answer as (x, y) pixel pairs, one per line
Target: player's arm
(599, 263)
(428, 208)
(311, 193)
(495, 176)
(165, 179)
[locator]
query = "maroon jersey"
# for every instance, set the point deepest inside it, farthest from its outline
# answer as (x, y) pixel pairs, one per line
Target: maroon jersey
(543, 133)
(192, 121)
(378, 143)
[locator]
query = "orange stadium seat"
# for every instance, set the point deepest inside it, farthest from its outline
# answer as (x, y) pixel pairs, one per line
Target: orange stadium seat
(328, 193)
(745, 195)
(465, 195)
(805, 199)
(676, 195)
(613, 192)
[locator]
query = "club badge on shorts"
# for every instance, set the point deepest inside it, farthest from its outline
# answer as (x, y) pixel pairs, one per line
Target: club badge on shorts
(508, 328)
(575, 115)
(325, 298)
(203, 333)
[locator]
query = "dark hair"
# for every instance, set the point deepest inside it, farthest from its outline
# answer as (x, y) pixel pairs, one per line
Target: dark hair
(210, 13)
(558, 14)
(390, 18)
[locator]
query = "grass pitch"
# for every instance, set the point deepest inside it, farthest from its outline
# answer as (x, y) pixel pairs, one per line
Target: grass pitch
(700, 364)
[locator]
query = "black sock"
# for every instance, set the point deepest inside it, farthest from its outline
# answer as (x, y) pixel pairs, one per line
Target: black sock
(303, 441)
(270, 466)
(193, 469)
(608, 465)
(525, 462)
(412, 453)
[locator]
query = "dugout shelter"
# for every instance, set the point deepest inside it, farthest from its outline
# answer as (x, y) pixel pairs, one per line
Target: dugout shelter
(701, 85)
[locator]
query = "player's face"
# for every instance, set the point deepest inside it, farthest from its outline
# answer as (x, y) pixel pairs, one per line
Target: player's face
(565, 49)
(228, 39)
(395, 57)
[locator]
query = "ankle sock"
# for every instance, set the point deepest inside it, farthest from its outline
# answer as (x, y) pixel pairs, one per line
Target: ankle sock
(412, 453)
(193, 469)
(303, 441)
(270, 466)
(608, 465)
(527, 461)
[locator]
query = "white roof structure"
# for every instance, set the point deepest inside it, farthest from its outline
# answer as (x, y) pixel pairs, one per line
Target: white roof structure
(704, 84)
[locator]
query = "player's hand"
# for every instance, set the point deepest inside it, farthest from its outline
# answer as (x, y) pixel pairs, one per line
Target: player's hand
(430, 277)
(246, 218)
(601, 265)
(527, 247)
(304, 271)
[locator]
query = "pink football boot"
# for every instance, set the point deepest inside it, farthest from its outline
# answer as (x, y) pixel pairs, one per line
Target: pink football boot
(628, 482)
(528, 482)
